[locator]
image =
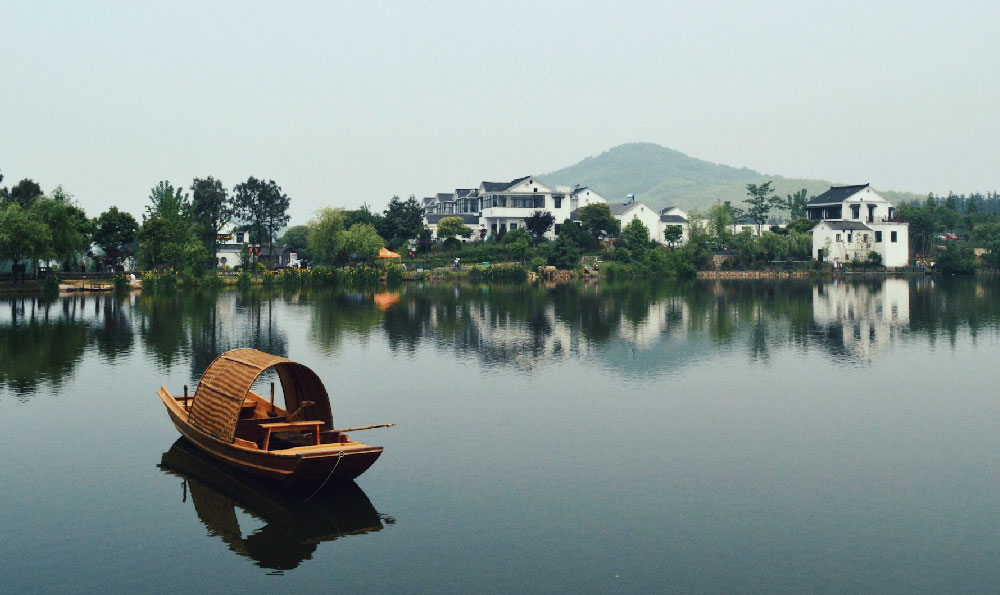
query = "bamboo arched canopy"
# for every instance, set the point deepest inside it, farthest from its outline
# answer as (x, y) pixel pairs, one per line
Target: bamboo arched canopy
(225, 384)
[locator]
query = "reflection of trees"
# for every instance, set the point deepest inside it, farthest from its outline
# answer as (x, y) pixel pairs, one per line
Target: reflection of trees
(336, 313)
(42, 342)
(200, 325)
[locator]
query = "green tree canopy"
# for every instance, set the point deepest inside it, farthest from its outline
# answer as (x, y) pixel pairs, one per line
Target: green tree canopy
(760, 200)
(795, 204)
(362, 241)
(24, 193)
(296, 238)
(597, 219)
(673, 234)
(449, 227)
(69, 229)
(166, 227)
(210, 211)
(23, 235)
(326, 235)
(115, 232)
(634, 237)
(538, 223)
(262, 207)
(402, 220)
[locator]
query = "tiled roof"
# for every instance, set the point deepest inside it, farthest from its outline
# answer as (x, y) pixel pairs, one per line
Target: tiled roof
(445, 196)
(618, 208)
(848, 225)
(672, 219)
(836, 194)
(501, 186)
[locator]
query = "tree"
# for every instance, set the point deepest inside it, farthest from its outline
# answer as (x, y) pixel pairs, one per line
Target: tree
(210, 211)
(720, 222)
(635, 238)
(538, 223)
(115, 232)
(23, 235)
(166, 227)
(673, 234)
(326, 235)
(362, 240)
(24, 193)
(262, 207)
(363, 215)
(761, 199)
(296, 239)
(564, 253)
(449, 227)
(597, 219)
(573, 231)
(402, 220)
(795, 204)
(69, 228)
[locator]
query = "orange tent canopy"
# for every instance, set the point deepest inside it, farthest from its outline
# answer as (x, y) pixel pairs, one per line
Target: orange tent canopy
(383, 253)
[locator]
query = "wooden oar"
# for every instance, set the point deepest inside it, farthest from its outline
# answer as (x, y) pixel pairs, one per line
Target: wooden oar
(359, 428)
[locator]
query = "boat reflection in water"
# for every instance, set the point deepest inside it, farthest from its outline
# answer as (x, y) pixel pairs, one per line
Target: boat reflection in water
(294, 523)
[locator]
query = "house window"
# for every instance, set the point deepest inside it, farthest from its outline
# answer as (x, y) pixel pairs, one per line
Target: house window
(838, 237)
(558, 203)
(558, 225)
(855, 211)
(878, 237)
(850, 238)
(892, 237)
(534, 189)
(513, 226)
(239, 238)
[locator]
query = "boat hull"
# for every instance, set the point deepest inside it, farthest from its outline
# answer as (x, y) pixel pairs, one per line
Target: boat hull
(302, 467)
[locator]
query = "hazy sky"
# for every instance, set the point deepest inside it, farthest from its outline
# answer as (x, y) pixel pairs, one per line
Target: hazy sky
(344, 103)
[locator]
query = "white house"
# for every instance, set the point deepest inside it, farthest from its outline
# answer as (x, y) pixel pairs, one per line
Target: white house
(856, 220)
(499, 207)
(627, 212)
(673, 216)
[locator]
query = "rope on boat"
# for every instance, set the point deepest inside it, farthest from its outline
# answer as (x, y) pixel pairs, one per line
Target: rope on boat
(340, 456)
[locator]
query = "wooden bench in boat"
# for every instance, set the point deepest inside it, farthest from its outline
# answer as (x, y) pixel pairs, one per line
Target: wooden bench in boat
(289, 426)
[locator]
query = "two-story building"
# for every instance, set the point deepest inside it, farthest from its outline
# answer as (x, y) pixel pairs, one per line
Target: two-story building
(854, 221)
(499, 207)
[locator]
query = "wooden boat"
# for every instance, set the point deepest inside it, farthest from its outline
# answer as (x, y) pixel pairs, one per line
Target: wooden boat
(230, 422)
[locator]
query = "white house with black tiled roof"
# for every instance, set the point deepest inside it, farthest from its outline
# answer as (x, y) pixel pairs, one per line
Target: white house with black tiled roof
(856, 220)
(494, 208)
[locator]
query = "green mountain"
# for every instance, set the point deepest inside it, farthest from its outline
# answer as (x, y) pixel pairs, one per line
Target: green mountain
(662, 177)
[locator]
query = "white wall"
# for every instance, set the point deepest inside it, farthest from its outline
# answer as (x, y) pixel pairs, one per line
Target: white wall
(649, 218)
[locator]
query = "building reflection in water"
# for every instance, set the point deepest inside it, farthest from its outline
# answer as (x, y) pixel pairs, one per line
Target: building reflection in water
(861, 320)
(294, 524)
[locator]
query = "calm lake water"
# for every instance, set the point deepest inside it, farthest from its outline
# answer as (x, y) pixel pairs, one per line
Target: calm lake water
(691, 438)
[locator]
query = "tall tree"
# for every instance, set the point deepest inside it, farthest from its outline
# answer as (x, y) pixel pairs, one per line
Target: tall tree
(166, 227)
(795, 204)
(538, 223)
(25, 192)
(403, 220)
(115, 232)
(326, 235)
(296, 239)
(69, 229)
(262, 207)
(363, 241)
(760, 200)
(598, 220)
(210, 210)
(22, 235)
